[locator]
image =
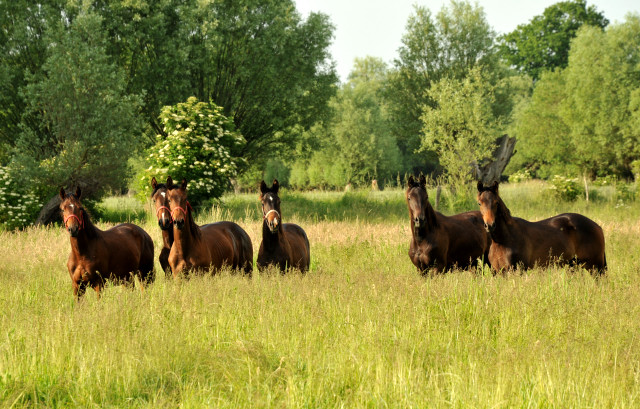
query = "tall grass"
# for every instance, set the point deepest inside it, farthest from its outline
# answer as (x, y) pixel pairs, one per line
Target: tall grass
(361, 329)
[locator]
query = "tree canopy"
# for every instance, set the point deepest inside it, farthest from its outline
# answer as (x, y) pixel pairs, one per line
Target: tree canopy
(544, 42)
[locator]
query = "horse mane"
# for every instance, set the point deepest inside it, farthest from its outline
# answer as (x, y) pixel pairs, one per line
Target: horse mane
(90, 229)
(193, 227)
(432, 219)
(503, 210)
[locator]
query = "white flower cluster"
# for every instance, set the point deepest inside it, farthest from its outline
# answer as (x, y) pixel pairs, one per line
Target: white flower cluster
(16, 208)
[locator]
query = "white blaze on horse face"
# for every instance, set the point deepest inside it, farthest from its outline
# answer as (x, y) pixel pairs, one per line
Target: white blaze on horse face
(164, 194)
(72, 207)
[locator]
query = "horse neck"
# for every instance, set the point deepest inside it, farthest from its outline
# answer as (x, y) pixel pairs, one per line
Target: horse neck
(271, 240)
(189, 234)
(167, 237)
(87, 235)
(431, 219)
(504, 223)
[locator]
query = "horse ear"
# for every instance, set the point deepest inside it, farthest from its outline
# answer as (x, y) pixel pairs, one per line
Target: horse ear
(62, 194)
(480, 186)
(275, 186)
(169, 182)
(411, 182)
(183, 185)
(423, 181)
(263, 188)
(494, 187)
(154, 182)
(78, 192)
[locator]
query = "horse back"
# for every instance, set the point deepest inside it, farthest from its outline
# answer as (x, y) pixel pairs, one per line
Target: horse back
(468, 239)
(299, 243)
(128, 248)
(228, 244)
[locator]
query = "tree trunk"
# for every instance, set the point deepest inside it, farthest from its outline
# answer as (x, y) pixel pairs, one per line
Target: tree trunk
(490, 171)
(50, 212)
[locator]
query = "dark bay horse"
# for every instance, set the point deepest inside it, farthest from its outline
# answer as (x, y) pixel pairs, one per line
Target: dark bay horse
(283, 245)
(165, 221)
(204, 247)
(440, 242)
(115, 254)
(568, 238)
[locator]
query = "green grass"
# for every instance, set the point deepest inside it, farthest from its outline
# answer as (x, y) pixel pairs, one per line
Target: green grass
(362, 329)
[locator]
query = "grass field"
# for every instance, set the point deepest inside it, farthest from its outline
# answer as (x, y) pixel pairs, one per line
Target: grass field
(361, 329)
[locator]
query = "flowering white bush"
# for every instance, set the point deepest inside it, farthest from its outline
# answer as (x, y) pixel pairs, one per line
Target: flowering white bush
(201, 146)
(18, 208)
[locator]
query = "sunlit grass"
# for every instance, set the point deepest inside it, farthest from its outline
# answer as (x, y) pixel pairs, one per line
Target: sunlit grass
(361, 329)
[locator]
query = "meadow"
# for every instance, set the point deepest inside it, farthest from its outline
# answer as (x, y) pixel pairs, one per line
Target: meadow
(361, 329)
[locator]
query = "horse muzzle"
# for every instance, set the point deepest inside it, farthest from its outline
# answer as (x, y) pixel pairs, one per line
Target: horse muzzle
(164, 224)
(273, 225)
(179, 224)
(418, 222)
(73, 231)
(490, 227)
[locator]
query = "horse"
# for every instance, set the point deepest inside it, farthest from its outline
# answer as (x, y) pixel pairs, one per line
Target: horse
(211, 246)
(568, 238)
(284, 245)
(115, 254)
(441, 242)
(165, 221)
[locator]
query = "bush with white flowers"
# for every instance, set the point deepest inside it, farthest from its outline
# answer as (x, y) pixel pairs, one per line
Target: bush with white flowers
(19, 208)
(201, 146)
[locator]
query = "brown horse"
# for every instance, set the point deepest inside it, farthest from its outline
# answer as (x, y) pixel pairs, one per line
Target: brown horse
(283, 245)
(440, 242)
(115, 254)
(203, 247)
(165, 221)
(568, 238)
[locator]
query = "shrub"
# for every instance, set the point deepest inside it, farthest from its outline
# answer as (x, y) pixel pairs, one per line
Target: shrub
(20, 207)
(566, 188)
(201, 146)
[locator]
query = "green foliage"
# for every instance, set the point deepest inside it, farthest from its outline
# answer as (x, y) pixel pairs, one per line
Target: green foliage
(543, 43)
(445, 46)
(357, 145)
(266, 66)
(566, 188)
(601, 82)
(543, 143)
(19, 206)
(81, 125)
(201, 146)
(462, 128)
(584, 119)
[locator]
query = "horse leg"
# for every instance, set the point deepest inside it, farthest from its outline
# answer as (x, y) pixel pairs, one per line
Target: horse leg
(79, 287)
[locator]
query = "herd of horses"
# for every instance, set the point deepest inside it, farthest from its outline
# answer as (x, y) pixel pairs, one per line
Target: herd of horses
(438, 242)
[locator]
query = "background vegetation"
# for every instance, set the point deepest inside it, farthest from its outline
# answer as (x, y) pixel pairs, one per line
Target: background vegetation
(84, 84)
(362, 328)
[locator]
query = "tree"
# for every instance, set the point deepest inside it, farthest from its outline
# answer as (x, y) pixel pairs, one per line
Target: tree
(602, 83)
(269, 69)
(545, 148)
(449, 45)
(543, 43)
(80, 126)
(462, 128)
(202, 146)
(23, 49)
(357, 145)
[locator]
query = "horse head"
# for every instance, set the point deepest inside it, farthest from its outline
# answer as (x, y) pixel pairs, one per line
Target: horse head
(417, 200)
(271, 205)
(160, 197)
(489, 202)
(178, 203)
(72, 211)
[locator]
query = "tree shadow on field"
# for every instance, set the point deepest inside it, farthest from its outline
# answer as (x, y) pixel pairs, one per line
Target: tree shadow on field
(329, 206)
